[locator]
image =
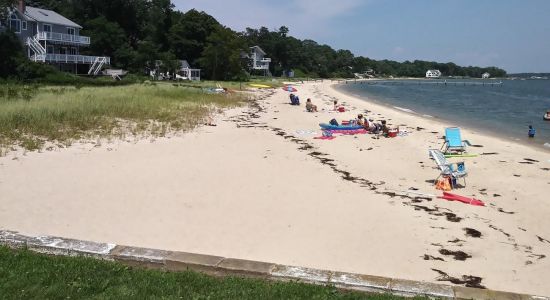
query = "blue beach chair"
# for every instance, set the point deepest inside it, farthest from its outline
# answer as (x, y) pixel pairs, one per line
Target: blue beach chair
(446, 168)
(453, 141)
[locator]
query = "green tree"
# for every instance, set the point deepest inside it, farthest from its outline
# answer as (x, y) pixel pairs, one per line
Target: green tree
(11, 53)
(221, 59)
(5, 5)
(188, 36)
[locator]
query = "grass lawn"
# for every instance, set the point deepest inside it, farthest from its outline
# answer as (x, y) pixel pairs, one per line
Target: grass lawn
(27, 275)
(32, 115)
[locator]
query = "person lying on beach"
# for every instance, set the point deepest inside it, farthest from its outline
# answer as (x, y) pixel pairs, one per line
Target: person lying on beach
(310, 107)
(371, 126)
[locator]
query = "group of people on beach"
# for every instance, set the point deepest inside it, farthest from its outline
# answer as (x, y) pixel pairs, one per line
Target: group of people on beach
(371, 126)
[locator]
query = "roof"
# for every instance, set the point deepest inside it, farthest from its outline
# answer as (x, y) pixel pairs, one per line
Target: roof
(184, 64)
(257, 48)
(48, 16)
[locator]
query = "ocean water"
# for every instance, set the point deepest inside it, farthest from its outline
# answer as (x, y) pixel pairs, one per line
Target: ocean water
(505, 110)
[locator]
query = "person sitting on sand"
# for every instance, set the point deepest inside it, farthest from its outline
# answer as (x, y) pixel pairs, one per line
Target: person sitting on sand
(360, 120)
(336, 105)
(310, 107)
(385, 130)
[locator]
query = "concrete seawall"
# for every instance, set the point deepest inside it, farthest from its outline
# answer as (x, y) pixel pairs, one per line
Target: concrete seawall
(222, 266)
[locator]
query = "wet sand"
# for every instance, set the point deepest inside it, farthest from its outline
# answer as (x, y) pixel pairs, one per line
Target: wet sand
(259, 186)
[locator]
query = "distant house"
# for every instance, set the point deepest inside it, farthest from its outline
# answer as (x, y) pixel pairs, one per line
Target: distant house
(258, 59)
(186, 72)
(485, 75)
(433, 74)
(181, 71)
(49, 37)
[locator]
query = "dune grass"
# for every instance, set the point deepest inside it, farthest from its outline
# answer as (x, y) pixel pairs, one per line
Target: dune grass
(27, 275)
(32, 115)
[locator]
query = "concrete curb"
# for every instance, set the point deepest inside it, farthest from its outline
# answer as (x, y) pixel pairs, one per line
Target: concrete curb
(221, 266)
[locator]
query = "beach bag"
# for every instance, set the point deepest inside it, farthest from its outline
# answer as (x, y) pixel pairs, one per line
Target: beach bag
(341, 109)
(333, 122)
(443, 184)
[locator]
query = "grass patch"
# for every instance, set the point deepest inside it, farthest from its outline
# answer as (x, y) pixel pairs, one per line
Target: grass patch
(26, 275)
(32, 115)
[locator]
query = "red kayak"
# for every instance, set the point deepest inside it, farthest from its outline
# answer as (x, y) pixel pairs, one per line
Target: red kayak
(454, 197)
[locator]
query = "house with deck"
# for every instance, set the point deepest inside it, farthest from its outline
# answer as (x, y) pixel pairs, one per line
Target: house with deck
(485, 75)
(49, 37)
(258, 60)
(433, 74)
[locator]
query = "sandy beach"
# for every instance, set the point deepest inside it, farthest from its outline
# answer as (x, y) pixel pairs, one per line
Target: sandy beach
(259, 186)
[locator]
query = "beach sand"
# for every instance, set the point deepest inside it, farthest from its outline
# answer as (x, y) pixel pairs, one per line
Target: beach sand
(259, 187)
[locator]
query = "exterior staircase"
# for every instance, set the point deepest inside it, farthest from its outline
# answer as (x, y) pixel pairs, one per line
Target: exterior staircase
(97, 65)
(37, 48)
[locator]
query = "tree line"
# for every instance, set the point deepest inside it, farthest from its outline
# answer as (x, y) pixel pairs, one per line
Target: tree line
(138, 32)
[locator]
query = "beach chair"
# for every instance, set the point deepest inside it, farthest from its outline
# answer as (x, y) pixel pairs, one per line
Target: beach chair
(454, 170)
(453, 141)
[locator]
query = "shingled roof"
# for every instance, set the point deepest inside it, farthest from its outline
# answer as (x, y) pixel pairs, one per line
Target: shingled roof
(48, 16)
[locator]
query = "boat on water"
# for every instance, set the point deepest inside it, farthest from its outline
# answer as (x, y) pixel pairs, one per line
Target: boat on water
(546, 116)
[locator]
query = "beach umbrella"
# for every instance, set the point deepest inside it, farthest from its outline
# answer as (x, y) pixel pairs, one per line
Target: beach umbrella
(467, 200)
(289, 88)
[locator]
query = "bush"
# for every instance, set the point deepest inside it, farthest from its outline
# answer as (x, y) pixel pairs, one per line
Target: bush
(28, 70)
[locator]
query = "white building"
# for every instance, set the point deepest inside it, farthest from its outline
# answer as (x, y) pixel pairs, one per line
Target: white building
(258, 59)
(485, 75)
(433, 74)
(186, 72)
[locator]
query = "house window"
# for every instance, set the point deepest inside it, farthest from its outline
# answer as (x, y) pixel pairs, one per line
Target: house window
(49, 49)
(72, 51)
(24, 25)
(47, 28)
(63, 50)
(70, 31)
(15, 24)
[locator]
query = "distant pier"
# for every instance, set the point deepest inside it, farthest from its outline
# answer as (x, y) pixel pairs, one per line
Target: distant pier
(421, 82)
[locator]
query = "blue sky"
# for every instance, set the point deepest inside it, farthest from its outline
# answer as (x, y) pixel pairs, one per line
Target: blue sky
(510, 34)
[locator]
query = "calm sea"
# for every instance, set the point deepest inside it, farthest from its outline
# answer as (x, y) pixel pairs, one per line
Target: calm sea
(505, 110)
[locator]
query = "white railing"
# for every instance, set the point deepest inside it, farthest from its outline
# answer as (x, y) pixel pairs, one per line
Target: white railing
(266, 60)
(70, 59)
(97, 65)
(35, 46)
(62, 37)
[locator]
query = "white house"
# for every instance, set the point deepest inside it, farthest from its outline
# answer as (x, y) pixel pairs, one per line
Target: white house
(433, 74)
(485, 75)
(49, 37)
(186, 72)
(258, 59)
